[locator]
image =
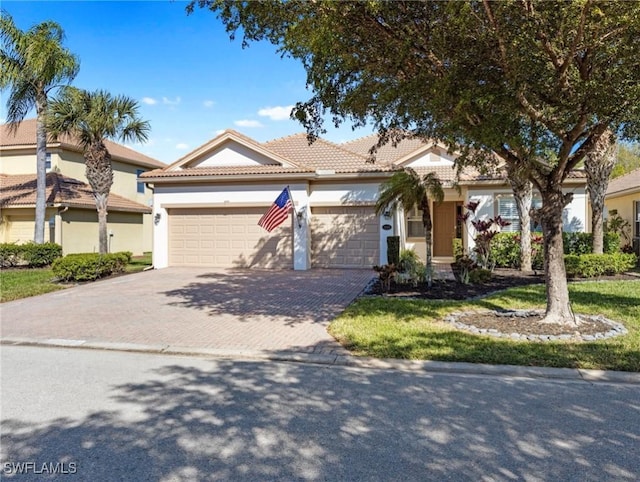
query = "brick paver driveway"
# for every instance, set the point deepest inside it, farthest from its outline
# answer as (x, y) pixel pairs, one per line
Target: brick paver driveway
(203, 308)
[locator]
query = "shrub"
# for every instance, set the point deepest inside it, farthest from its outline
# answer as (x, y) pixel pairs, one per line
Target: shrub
(38, 255)
(89, 266)
(458, 248)
(411, 269)
(505, 250)
(479, 276)
(592, 265)
(10, 254)
(29, 254)
(582, 243)
(393, 250)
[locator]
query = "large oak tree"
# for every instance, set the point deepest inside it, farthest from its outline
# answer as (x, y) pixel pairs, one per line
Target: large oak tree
(535, 82)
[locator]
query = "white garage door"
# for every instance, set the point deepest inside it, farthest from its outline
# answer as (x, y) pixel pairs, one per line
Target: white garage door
(227, 238)
(344, 237)
(21, 229)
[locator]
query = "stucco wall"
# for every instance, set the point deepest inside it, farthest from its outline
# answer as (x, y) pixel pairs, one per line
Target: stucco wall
(575, 216)
(79, 231)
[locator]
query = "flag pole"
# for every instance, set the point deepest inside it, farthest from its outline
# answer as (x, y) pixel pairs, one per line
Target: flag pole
(293, 205)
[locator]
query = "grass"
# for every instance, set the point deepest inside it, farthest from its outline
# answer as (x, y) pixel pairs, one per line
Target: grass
(22, 282)
(411, 329)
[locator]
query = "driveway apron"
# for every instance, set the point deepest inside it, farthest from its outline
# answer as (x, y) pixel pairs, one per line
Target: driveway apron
(197, 308)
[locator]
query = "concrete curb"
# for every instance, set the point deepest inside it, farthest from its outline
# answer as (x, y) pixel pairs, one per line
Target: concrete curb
(591, 376)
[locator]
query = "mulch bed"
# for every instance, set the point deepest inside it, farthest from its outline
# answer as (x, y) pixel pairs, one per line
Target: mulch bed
(444, 289)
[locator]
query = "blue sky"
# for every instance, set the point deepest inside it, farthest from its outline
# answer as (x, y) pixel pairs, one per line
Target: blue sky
(190, 79)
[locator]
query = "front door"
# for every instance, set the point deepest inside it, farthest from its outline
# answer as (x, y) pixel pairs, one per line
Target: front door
(444, 228)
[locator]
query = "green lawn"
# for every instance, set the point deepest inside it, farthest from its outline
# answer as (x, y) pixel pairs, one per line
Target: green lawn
(22, 283)
(411, 329)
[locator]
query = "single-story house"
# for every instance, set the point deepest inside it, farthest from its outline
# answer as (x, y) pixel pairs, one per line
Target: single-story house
(207, 204)
(623, 196)
(71, 210)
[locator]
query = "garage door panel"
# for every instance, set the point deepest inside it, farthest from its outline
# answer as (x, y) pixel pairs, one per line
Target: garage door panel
(346, 237)
(227, 237)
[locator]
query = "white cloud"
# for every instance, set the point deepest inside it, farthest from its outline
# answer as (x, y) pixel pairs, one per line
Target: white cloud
(208, 103)
(276, 113)
(218, 132)
(248, 123)
(167, 101)
(182, 146)
(149, 101)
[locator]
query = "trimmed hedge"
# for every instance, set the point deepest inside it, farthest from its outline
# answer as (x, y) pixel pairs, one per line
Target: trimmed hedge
(592, 265)
(505, 250)
(29, 254)
(582, 243)
(90, 266)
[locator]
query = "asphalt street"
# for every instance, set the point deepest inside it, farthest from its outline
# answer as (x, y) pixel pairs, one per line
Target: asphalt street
(74, 414)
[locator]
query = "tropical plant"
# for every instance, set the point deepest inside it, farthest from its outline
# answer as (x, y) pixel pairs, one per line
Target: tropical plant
(483, 234)
(93, 117)
(33, 63)
(535, 83)
(408, 189)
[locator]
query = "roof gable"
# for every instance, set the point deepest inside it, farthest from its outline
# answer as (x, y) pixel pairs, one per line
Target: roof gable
(427, 156)
(230, 149)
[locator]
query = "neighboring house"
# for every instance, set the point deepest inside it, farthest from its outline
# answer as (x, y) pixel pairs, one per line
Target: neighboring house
(207, 204)
(71, 210)
(623, 195)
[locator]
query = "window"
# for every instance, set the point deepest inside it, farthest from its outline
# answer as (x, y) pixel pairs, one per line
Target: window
(415, 228)
(47, 161)
(140, 183)
(636, 218)
(508, 211)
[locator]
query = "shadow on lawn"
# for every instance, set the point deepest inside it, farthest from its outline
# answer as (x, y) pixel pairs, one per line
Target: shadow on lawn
(457, 346)
(266, 421)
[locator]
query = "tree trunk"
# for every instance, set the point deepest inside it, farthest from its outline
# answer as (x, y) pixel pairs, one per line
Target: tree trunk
(558, 307)
(99, 173)
(41, 172)
(598, 165)
(103, 235)
(428, 237)
(523, 194)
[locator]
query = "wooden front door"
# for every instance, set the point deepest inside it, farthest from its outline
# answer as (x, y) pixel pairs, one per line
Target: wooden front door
(444, 228)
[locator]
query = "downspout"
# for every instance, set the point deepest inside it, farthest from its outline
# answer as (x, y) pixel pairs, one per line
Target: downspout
(62, 209)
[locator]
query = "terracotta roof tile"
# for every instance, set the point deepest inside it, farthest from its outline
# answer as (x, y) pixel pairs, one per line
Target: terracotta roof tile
(323, 154)
(25, 136)
(20, 190)
(628, 182)
(387, 153)
(225, 171)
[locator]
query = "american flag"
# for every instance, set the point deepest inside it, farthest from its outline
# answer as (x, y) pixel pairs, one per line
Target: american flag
(278, 212)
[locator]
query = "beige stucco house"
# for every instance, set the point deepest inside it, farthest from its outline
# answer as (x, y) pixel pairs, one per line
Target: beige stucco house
(623, 195)
(207, 204)
(71, 211)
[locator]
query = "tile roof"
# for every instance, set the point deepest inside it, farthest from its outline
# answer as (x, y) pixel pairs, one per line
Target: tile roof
(387, 153)
(20, 191)
(348, 158)
(628, 182)
(25, 136)
(225, 171)
(323, 154)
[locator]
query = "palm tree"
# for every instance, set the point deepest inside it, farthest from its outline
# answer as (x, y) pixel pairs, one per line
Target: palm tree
(91, 118)
(33, 64)
(408, 189)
